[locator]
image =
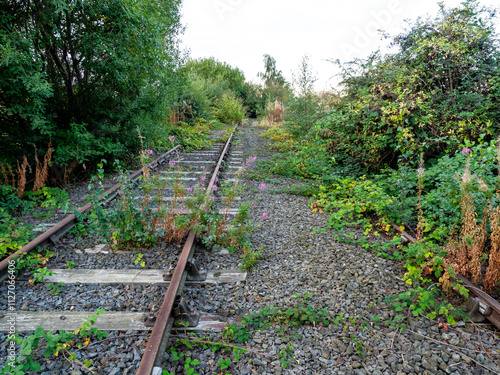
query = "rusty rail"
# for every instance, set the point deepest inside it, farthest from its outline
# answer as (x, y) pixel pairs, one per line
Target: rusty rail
(488, 306)
(58, 230)
(163, 324)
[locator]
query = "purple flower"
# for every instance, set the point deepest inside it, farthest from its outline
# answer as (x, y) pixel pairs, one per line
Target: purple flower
(203, 178)
(254, 205)
(189, 189)
(262, 186)
(213, 198)
(265, 215)
(150, 152)
(171, 163)
(172, 138)
(214, 187)
(150, 166)
(466, 151)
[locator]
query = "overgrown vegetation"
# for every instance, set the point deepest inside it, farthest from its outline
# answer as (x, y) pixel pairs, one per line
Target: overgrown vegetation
(411, 140)
(49, 344)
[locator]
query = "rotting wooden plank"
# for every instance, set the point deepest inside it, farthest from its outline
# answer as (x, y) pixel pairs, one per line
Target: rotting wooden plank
(146, 276)
(71, 320)
(108, 321)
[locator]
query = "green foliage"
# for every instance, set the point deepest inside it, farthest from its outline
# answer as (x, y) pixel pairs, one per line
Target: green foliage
(84, 74)
(354, 203)
(13, 234)
(275, 85)
(229, 110)
(51, 344)
(421, 302)
(302, 312)
(49, 197)
(214, 89)
(436, 91)
(441, 199)
(126, 225)
(9, 202)
(302, 109)
(216, 229)
(55, 289)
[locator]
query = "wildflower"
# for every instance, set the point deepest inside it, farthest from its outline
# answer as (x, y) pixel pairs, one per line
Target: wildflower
(171, 163)
(213, 198)
(143, 201)
(150, 152)
(189, 189)
(265, 215)
(254, 205)
(466, 151)
(203, 178)
(262, 186)
(215, 187)
(172, 138)
(150, 166)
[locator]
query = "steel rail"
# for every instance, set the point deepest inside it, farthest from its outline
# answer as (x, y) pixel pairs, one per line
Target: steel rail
(53, 234)
(488, 306)
(163, 324)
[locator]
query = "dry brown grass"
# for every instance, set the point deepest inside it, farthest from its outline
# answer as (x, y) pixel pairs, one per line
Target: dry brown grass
(179, 113)
(8, 174)
(465, 252)
(42, 170)
(420, 188)
(275, 111)
(21, 177)
(468, 251)
(492, 276)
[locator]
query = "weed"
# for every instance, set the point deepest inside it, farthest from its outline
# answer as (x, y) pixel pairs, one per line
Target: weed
(138, 260)
(55, 289)
(52, 345)
(13, 234)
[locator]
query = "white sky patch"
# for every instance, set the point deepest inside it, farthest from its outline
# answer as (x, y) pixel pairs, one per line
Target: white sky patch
(240, 32)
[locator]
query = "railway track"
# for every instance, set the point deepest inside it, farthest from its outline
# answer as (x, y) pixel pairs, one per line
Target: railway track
(140, 303)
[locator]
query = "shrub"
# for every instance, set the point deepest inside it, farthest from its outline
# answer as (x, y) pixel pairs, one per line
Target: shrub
(229, 109)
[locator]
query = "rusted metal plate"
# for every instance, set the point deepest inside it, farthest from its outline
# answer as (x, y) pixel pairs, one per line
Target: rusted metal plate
(494, 315)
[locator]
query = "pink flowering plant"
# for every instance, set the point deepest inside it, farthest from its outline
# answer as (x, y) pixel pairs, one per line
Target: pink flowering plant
(216, 225)
(133, 222)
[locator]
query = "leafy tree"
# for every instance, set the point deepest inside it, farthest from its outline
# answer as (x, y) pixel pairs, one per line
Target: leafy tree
(302, 109)
(84, 74)
(209, 83)
(275, 85)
